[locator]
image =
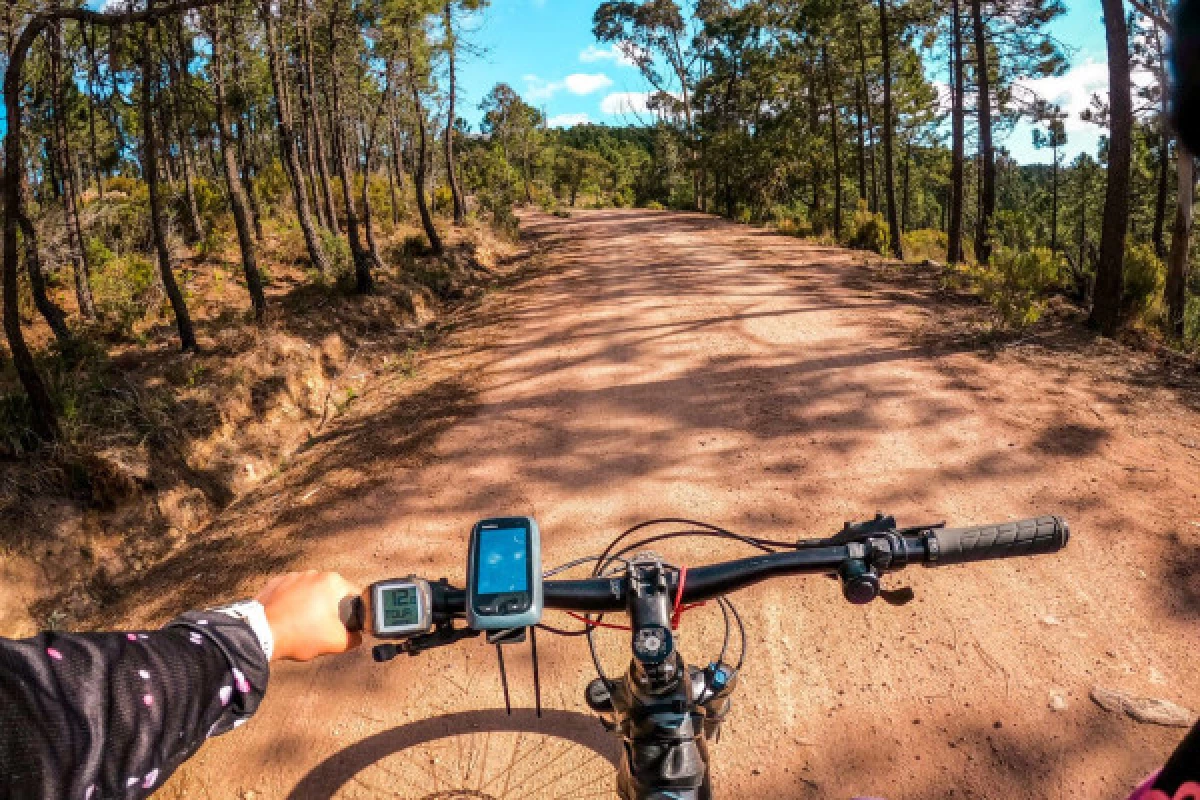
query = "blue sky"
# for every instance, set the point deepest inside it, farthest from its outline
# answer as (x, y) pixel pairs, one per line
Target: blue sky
(545, 50)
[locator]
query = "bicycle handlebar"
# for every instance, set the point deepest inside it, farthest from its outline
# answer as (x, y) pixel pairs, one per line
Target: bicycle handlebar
(933, 547)
(1024, 537)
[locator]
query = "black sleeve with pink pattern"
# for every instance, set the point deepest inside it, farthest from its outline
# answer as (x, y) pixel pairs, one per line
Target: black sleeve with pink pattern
(106, 715)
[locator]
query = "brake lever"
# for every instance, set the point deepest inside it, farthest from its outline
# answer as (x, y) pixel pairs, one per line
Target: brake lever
(442, 636)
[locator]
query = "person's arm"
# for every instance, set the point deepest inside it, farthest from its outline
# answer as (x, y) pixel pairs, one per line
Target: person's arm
(113, 714)
(1179, 778)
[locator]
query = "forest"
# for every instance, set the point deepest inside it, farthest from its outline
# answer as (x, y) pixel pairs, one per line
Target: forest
(150, 144)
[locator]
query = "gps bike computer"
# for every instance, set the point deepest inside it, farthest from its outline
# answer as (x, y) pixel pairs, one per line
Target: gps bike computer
(401, 607)
(504, 574)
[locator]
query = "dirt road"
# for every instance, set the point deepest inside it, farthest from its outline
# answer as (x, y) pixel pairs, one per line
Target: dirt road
(662, 364)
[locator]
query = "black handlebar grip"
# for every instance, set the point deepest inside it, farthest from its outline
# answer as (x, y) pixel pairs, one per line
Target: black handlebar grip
(352, 612)
(1025, 537)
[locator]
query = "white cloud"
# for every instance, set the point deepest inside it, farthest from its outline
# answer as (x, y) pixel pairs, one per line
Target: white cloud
(584, 83)
(568, 120)
(617, 53)
(1072, 91)
(580, 83)
(625, 103)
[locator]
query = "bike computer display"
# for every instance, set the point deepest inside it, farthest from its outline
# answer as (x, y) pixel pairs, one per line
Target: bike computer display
(504, 574)
(401, 607)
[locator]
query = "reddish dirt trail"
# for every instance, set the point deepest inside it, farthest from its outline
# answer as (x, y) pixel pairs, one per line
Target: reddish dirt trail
(675, 365)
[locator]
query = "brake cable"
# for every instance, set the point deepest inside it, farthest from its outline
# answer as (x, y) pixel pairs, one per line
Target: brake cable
(680, 606)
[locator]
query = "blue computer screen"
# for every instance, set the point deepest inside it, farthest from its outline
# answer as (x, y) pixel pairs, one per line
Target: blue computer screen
(502, 561)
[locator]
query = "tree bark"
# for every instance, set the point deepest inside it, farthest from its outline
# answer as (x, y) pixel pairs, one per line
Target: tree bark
(158, 229)
(396, 167)
(460, 208)
(1175, 292)
(245, 159)
(1110, 271)
(49, 310)
(859, 91)
(318, 135)
(42, 411)
(862, 63)
(889, 183)
(62, 155)
(229, 162)
(987, 151)
(833, 139)
(957, 138)
(435, 241)
(193, 230)
(1160, 198)
(287, 143)
(364, 282)
(1054, 200)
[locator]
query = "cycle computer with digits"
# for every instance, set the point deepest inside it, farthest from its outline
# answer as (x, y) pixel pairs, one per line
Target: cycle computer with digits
(401, 607)
(504, 574)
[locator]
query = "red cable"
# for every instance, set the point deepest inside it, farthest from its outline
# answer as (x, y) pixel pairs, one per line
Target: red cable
(680, 606)
(593, 623)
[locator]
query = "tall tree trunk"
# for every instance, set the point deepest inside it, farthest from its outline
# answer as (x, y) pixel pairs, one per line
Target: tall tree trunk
(435, 241)
(229, 162)
(49, 310)
(987, 151)
(396, 167)
(906, 192)
(364, 281)
(1164, 148)
(889, 183)
(318, 135)
(158, 228)
(89, 35)
(460, 208)
(62, 156)
(1054, 200)
(366, 140)
(862, 64)
(42, 410)
(1110, 272)
(245, 160)
(1160, 197)
(954, 251)
(1175, 293)
(833, 139)
(1081, 230)
(859, 91)
(287, 142)
(193, 227)
(818, 178)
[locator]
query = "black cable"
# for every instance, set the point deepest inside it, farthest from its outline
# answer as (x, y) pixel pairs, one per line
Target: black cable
(721, 601)
(537, 681)
(741, 632)
(504, 679)
(683, 521)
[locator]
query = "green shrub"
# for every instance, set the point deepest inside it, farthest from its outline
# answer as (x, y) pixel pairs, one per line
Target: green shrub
(925, 243)
(341, 265)
(654, 205)
(1014, 229)
(1191, 322)
(869, 231)
(792, 220)
(126, 288)
(123, 184)
(1016, 281)
(1144, 278)
(98, 254)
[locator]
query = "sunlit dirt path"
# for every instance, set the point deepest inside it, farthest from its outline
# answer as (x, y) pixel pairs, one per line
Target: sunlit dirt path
(660, 364)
